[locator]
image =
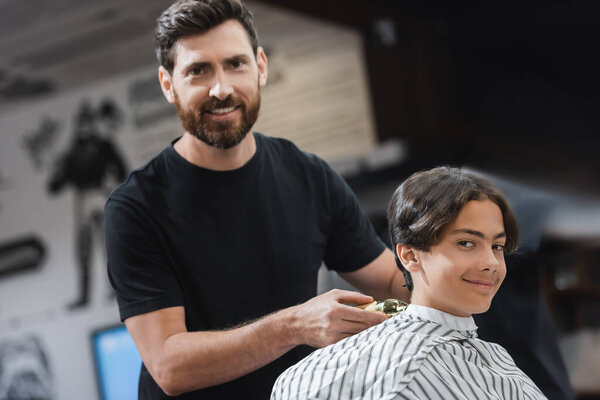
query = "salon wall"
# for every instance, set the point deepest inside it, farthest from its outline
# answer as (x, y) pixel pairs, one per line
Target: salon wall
(59, 159)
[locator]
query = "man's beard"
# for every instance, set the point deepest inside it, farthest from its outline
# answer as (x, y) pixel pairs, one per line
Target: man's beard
(220, 134)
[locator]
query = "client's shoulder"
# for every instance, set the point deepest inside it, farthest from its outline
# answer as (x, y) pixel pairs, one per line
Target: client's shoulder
(360, 361)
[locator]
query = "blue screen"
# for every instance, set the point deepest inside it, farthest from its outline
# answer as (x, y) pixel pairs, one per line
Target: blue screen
(118, 364)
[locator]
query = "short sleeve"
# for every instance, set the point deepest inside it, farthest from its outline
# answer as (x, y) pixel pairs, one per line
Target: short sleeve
(353, 242)
(138, 270)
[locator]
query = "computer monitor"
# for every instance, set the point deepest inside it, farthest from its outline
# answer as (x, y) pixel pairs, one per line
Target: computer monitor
(118, 363)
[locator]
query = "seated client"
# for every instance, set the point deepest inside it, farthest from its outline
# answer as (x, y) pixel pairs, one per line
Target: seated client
(450, 230)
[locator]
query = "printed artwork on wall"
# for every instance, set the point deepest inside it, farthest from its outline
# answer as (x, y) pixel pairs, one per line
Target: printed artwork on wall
(92, 166)
(38, 141)
(21, 254)
(25, 372)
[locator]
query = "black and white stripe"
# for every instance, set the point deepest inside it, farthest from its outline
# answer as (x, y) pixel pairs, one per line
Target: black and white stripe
(421, 354)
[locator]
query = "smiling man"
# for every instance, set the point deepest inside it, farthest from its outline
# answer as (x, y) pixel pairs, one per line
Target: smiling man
(450, 230)
(214, 246)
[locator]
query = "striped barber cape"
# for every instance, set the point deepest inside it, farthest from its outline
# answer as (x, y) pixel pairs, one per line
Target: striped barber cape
(420, 354)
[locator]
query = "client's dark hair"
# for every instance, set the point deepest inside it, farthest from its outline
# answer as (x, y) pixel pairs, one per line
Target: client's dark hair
(426, 202)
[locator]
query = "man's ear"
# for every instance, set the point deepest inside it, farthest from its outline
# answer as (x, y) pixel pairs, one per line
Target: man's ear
(408, 257)
(263, 66)
(166, 84)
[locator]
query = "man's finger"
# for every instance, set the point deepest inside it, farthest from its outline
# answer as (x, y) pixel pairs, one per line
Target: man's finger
(362, 316)
(347, 296)
(364, 306)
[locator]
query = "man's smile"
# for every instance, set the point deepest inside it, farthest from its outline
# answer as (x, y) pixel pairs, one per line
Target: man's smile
(222, 114)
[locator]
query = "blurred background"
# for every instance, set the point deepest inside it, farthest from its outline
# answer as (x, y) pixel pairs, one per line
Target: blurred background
(379, 88)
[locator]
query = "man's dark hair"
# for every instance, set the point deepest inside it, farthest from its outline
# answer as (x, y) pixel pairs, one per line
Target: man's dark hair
(191, 17)
(428, 201)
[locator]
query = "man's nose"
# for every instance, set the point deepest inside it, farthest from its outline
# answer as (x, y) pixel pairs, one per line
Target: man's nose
(221, 87)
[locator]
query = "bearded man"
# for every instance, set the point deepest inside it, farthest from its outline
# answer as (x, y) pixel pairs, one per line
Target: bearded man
(214, 246)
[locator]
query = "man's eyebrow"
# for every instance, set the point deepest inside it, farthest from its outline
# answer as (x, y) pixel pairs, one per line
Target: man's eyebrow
(478, 234)
(237, 57)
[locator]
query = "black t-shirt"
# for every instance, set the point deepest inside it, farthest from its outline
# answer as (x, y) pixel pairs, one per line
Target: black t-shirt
(232, 246)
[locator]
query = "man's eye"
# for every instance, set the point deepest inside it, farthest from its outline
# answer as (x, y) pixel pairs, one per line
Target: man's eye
(466, 243)
(197, 71)
(236, 64)
(498, 247)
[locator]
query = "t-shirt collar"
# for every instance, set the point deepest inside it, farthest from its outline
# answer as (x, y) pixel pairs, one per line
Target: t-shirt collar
(182, 164)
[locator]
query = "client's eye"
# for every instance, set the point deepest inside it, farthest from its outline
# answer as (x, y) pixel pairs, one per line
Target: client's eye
(466, 243)
(498, 247)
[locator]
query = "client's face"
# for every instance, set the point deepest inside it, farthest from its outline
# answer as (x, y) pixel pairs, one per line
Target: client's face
(461, 274)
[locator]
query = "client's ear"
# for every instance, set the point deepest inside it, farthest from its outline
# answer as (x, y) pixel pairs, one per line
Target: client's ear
(408, 257)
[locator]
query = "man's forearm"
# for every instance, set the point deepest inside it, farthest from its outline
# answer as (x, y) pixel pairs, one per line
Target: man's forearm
(181, 361)
(195, 360)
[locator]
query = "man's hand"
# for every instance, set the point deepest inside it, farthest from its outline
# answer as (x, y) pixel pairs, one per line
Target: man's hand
(326, 319)
(182, 361)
